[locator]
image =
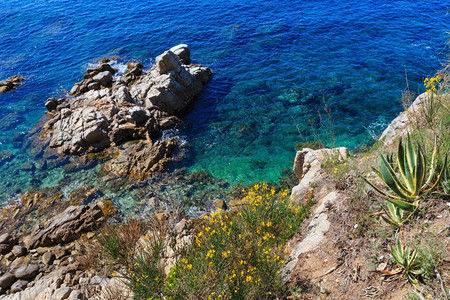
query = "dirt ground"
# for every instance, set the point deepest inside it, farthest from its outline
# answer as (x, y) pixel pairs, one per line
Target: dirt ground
(345, 265)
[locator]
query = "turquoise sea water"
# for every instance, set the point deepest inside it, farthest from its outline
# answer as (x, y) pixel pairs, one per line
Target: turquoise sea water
(276, 65)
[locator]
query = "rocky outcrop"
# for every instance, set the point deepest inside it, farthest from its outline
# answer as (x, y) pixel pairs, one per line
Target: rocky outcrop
(313, 179)
(170, 85)
(94, 79)
(401, 125)
(308, 169)
(66, 226)
(108, 112)
(10, 84)
(142, 158)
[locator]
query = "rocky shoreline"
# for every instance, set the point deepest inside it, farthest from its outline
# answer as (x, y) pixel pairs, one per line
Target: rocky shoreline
(121, 116)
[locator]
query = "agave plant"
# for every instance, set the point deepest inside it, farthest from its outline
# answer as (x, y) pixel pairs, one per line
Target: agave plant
(408, 261)
(394, 215)
(411, 182)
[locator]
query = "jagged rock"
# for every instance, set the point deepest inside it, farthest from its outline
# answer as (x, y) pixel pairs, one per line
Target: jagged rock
(103, 78)
(169, 85)
(220, 204)
(122, 95)
(59, 252)
(77, 295)
(83, 130)
(142, 158)
(51, 104)
(62, 293)
(10, 84)
(48, 258)
(7, 242)
(401, 125)
(66, 226)
(167, 123)
(308, 168)
(19, 251)
(101, 75)
(315, 233)
(10, 256)
(139, 115)
(95, 85)
(183, 52)
(6, 280)
(137, 106)
(26, 272)
(19, 262)
(18, 286)
(125, 133)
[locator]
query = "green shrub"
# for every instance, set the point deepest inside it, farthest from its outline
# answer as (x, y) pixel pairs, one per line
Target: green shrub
(239, 254)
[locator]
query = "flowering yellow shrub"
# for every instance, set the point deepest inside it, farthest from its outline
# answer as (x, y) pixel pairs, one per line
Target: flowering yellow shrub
(239, 254)
(432, 83)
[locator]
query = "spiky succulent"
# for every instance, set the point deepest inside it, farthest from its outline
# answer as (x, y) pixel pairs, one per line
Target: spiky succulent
(408, 262)
(411, 182)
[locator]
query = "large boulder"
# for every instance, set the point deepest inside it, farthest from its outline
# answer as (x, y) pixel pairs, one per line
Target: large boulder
(81, 130)
(26, 272)
(169, 84)
(183, 52)
(66, 226)
(6, 280)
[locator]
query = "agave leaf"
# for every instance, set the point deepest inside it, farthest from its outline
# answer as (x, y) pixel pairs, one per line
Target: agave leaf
(444, 166)
(397, 252)
(391, 180)
(391, 221)
(433, 163)
(416, 271)
(410, 155)
(402, 166)
(408, 206)
(413, 281)
(419, 175)
(394, 215)
(376, 188)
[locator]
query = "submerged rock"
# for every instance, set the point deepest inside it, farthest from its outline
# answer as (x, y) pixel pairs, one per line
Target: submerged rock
(10, 84)
(142, 159)
(135, 106)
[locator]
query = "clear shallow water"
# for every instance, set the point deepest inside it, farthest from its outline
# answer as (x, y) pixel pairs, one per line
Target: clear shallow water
(275, 64)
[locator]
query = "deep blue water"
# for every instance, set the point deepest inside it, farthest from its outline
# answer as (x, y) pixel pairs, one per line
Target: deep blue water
(276, 64)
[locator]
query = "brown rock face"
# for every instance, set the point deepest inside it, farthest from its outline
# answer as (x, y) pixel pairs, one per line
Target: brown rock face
(66, 226)
(10, 84)
(141, 159)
